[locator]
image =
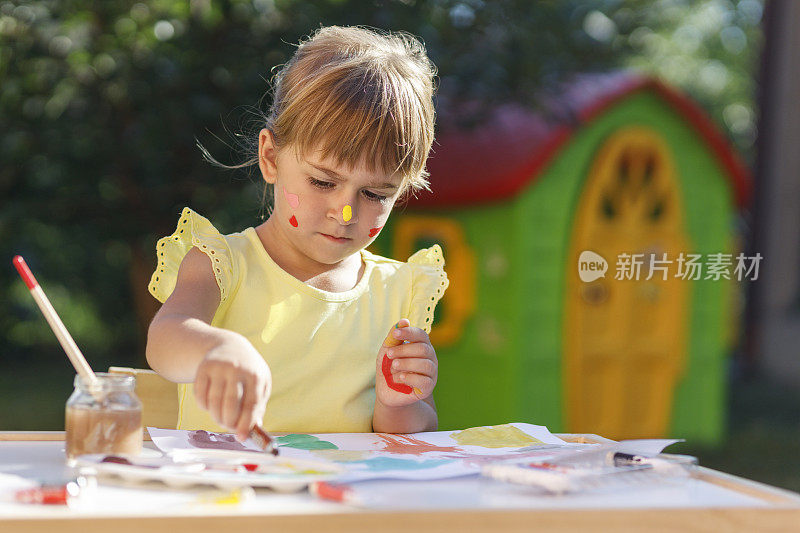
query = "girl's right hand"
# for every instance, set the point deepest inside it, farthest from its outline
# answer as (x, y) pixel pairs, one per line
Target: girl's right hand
(233, 383)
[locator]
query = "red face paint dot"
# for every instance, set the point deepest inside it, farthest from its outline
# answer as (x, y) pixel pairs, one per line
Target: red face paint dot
(374, 231)
(250, 467)
(293, 221)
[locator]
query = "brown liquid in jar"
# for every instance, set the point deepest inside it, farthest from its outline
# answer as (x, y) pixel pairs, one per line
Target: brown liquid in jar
(117, 431)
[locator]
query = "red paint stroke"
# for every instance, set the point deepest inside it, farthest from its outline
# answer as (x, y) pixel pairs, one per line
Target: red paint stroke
(250, 467)
(374, 231)
(410, 445)
(293, 221)
(386, 366)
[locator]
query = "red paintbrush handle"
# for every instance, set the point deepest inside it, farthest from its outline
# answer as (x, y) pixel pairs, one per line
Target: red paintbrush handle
(24, 272)
(64, 338)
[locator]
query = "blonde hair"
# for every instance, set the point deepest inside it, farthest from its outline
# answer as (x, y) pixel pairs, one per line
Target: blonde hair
(359, 96)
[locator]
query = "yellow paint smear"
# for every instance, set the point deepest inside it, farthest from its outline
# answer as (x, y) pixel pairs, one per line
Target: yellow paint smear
(342, 455)
(233, 497)
(347, 213)
(503, 436)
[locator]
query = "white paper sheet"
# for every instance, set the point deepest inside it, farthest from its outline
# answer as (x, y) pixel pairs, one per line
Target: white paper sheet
(647, 447)
(418, 456)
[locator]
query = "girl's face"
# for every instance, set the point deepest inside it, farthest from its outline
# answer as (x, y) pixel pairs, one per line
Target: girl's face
(328, 211)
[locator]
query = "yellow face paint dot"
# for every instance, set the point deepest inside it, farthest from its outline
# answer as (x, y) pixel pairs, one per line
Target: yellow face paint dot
(347, 213)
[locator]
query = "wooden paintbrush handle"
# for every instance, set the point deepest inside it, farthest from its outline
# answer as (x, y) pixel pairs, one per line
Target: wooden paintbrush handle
(64, 338)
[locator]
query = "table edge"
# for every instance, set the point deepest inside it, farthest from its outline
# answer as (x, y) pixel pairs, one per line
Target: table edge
(777, 497)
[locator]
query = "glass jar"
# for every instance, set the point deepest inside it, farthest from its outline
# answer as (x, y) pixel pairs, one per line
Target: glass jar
(107, 419)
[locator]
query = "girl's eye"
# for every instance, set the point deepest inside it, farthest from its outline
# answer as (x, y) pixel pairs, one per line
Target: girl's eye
(374, 196)
(320, 184)
(327, 185)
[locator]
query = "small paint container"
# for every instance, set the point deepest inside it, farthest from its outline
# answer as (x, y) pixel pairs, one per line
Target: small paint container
(104, 419)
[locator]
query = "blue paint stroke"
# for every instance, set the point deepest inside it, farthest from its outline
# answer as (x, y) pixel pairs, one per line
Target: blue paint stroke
(381, 464)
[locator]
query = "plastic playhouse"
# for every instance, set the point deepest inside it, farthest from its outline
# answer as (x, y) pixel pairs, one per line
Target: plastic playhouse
(616, 164)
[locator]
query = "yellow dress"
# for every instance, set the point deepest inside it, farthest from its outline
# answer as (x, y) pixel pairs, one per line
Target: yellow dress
(320, 346)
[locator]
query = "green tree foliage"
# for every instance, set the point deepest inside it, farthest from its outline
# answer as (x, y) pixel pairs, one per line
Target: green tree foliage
(102, 104)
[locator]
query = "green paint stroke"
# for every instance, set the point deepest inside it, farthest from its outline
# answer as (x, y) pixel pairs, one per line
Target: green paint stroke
(304, 441)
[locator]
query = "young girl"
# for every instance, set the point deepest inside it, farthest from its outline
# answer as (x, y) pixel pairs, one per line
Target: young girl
(295, 310)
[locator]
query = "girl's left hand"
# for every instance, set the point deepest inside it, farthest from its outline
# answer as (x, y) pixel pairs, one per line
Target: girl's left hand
(411, 365)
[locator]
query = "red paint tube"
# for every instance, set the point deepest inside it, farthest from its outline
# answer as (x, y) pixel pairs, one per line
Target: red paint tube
(335, 493)
(49, 494)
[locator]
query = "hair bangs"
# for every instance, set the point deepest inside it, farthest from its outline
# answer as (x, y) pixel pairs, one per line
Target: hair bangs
(364, 118)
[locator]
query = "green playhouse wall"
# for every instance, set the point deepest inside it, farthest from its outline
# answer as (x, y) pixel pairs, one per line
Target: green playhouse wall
(507, 364)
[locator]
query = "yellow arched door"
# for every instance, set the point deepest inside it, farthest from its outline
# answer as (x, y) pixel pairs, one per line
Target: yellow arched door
(625, 339)
(459, 303)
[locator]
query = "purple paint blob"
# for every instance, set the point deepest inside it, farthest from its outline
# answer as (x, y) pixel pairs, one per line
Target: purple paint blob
(215, 441)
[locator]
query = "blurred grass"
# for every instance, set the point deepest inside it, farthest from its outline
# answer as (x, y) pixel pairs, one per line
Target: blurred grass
(763, 434)
(764, 428)
(34, 393)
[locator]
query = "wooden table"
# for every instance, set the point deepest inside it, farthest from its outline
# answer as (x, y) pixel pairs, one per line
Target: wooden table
(710, 501)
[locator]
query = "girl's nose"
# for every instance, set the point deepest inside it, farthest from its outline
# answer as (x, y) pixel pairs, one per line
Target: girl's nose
(345, 214)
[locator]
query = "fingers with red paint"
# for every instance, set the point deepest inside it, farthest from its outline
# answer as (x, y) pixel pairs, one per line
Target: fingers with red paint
(408, 366)
(386, 368)
(414, 361)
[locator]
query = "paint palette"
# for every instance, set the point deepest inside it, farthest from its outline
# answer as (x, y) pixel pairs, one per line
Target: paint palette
(220, 468)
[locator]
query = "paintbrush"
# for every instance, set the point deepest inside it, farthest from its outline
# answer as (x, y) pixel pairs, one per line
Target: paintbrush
(263, 440)
(64, 338)
(257, 434)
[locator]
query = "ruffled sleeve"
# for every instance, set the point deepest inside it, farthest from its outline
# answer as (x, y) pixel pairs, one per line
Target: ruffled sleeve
(193, 231)
(428, 283)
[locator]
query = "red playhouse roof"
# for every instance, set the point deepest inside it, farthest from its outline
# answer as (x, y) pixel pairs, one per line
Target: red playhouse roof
(510, 150)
